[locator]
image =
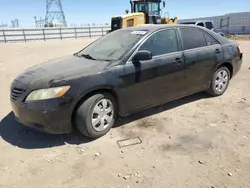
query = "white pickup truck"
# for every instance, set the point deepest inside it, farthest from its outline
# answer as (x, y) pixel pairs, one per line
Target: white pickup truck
(209, 25)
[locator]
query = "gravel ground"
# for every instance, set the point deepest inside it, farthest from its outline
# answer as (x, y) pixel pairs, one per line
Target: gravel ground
(195, 142)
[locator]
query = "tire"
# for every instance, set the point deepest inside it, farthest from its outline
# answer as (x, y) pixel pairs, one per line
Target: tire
(222, 72)
(92, 124)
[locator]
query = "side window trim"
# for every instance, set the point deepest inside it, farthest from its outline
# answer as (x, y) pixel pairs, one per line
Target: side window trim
(137, 49)
(193, 49)
(164, 55)
(180, 36)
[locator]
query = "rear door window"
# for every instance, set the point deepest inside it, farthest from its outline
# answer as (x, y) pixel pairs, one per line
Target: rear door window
(210, 40)
(162, 42)
(192, 38)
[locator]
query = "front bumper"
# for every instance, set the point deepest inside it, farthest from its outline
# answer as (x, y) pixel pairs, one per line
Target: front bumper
(52, 116)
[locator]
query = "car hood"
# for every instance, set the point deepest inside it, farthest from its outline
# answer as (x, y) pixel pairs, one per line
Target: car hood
(47, 73)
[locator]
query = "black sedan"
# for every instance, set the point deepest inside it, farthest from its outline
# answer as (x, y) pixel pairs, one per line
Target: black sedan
(121, 73)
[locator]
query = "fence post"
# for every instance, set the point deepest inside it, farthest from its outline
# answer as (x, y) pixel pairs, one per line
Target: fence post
(75, 33)
(4, 37)
(102, 31)
(24, 35)
(44, 37)
(61, 32)
(89, 32)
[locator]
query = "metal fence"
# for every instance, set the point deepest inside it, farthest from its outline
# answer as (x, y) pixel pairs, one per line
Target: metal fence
(25, 35)
(238, 23)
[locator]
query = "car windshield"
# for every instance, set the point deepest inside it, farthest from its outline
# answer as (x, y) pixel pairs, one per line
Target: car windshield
(112, 46)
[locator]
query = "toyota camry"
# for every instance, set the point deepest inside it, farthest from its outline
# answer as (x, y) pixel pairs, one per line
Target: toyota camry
(121, 73)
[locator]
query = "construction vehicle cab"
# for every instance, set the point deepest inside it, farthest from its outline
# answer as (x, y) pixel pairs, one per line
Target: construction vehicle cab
(150, 7)
(142, 12)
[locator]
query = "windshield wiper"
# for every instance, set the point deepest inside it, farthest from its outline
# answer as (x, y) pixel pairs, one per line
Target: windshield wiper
(87, 56)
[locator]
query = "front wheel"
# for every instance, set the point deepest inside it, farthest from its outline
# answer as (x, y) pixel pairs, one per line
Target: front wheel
(96, 115)
(220, 82)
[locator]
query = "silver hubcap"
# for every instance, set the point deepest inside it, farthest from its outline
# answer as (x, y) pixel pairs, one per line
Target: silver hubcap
(102, 115)
(221, 81)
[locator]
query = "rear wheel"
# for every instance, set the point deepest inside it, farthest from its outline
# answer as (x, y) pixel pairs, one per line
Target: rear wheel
(220, 82)
(96, 115)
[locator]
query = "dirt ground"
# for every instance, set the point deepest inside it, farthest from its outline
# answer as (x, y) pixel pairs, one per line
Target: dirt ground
(240, 37)
(195, 142)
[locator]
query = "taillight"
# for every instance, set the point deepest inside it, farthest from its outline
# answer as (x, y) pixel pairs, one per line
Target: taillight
(229, 32)
(238, 48)
(239, 52)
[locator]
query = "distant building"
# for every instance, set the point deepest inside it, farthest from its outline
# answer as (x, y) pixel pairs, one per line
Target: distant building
(238, 23)
(54, 25)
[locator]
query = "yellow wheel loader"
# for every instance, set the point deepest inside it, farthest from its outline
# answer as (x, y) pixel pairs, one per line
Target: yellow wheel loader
(142, 12)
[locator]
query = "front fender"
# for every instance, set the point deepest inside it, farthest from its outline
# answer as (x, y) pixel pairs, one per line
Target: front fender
(91, 91)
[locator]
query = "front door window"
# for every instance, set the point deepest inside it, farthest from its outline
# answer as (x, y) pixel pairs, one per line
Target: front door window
(162, 42)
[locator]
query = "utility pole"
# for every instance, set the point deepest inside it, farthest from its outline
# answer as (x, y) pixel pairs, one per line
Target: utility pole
(15, 23)
(54, 11)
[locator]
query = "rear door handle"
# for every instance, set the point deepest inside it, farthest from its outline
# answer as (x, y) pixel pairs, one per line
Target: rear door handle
(217, 51)
(178, 61)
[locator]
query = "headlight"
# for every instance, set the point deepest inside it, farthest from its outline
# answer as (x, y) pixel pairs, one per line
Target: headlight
(50, 93)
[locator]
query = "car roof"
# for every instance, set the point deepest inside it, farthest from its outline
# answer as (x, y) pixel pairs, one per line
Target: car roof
(154, 27)
(195, 21)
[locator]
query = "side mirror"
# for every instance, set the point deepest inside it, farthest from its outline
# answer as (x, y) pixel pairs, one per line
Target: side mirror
(164, 4)
(142, 56)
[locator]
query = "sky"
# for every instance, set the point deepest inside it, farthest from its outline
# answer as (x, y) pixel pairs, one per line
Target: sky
(80, 12)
